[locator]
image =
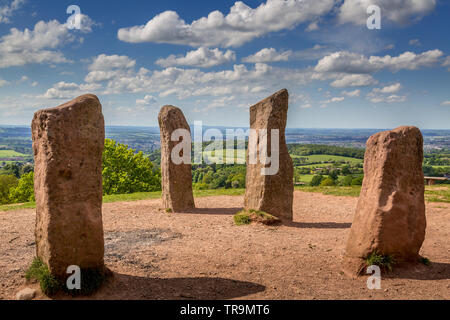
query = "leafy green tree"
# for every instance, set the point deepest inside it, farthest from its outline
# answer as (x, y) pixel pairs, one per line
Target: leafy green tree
(6, 183)
(125, 171)
(327, 182)
(347, 181)
(24, 192)
(316, 181)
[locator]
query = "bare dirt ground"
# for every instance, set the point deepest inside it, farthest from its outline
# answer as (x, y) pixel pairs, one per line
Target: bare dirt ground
(203, 255)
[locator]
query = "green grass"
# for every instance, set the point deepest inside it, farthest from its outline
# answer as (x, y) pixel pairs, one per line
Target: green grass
(39, 271)
(438, 193)
(329, 158)
(425, 261)
(352, 191)
(247, 217)
(385, 262)
(10, 154)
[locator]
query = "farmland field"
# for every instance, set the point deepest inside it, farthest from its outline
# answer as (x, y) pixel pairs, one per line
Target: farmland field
(10, 154)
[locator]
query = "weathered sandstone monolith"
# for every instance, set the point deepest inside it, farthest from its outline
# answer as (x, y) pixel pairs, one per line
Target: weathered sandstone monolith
(68, 143)
(390, 216)
(176, 178)
(273, 192)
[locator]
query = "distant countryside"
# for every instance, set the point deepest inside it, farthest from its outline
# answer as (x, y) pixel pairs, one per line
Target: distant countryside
(326, 161)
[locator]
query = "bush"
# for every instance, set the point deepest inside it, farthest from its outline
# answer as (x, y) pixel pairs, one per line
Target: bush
(383, 261)
(357, 181)
(316, 181)
(24, 192)
(328, 182)
(347, 181)
(7, 182)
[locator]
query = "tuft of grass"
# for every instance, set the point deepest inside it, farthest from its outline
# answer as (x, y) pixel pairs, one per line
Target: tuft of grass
(247, 217)
(91, 280)
(40, 272)
(168, 210)
(385, 262)
(425, 261)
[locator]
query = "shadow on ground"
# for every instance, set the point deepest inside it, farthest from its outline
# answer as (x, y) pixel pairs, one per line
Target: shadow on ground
(435, 271)
(214, 211)
(318, 225)
(122, 286)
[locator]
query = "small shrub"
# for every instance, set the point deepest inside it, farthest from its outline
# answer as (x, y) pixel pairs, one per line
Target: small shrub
(425, 261)
(383, 261)
(168, 210)
(246, 217)
(40, 272)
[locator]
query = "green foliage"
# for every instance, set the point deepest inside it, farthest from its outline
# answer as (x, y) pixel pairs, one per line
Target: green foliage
(313, 149)
(383, 261)
(247, 217)
(347, 181)
(24, 192)
(316, 181)
(125, 171)
(327, 182)
(40, 272)
(357, 181)
(6, 183)
(425, 261)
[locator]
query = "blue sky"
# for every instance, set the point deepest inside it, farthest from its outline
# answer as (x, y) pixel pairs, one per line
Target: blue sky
(214, 59)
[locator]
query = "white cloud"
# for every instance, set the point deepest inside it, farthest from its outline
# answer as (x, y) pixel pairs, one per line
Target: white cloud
(414, 42)
(389, 89)
(313, 26)
(38, 45)
(388, 99)
(352, 94)
(354, 63)
(68, 91)
(146, 102)
(354, 80)
(7, 10)
(399, 11)
(268, 55)
(306, 106)
(334, 100)
(3, 83)
(202, 57)
(242, 24)
(447, 63)
(445, 103)
(104, 67)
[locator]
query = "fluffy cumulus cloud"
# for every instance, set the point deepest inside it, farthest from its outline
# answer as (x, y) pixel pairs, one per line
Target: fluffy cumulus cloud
(268, 55)
(352, 94)
(202, 57)
(387, 94)
(398, 11)
(146, 102)
(104, 67)
(38, 45)
(354, 80)
(447, 63)
(68, 91)
(242, 24)
(355, 63)
(8, 9)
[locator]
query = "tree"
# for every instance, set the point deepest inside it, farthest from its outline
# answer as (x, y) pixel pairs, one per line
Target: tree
(6, 183)
(24, 192)
(328, 182)
(316, 180)
(347, 181)
(125, 171)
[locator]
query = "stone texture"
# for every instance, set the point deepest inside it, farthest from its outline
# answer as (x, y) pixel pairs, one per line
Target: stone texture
(68, 143)
(26, 294)
(176, 180)
(390, 216)
(271, 193)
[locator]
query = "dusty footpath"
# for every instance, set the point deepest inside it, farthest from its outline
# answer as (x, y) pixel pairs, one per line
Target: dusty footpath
(203, 255)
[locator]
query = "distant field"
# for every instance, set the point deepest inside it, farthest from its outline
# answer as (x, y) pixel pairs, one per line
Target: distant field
(330, 158)
(10, 154)
(221, 156)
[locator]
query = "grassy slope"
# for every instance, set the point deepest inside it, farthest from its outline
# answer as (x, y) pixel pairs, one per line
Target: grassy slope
(439, 193)
(10, 154)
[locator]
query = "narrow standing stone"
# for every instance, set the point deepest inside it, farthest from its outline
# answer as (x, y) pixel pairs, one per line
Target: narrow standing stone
(68, 143)
(271, 193)
(176, 179)
(390, 216)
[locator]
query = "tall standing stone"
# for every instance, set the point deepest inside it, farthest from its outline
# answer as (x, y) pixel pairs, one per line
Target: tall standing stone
(68, 143)
(390, 216)
(271, 193)
(176, 179)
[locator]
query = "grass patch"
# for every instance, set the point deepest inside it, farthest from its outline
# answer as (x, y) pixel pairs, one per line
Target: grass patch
(40, 272)
(438, 193)
(385, 262)
(425, 261)
(352, 191)
(91, 280)
(247, 217)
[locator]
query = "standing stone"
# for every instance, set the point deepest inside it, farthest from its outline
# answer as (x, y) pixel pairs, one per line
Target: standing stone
(272, 194)
(390, 216)
(176, 179)
(68, 143)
